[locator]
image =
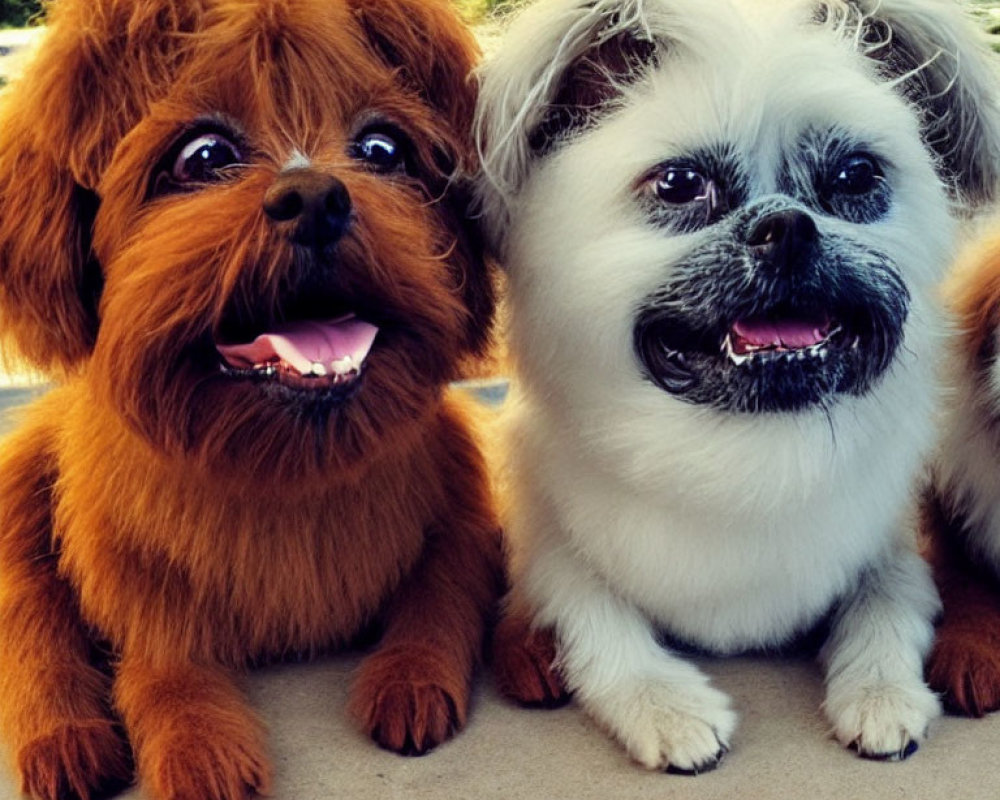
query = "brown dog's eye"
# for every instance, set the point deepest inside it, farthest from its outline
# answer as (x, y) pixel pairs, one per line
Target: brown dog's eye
(202, 156)
(382, 149)
(200, 160)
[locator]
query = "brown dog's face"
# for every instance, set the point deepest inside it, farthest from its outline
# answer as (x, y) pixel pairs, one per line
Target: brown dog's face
(287, 276)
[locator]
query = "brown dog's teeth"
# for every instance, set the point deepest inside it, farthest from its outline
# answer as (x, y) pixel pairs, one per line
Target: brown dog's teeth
(343, 366)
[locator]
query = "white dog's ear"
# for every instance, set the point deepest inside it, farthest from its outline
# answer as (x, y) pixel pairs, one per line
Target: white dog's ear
(940, 62)
(562, 63)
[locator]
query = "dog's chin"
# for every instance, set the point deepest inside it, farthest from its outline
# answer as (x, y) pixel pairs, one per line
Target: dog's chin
(253, 422)
(781, 359)
(291, 393)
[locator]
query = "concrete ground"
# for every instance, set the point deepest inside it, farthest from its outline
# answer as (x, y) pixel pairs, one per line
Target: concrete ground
(780, 752)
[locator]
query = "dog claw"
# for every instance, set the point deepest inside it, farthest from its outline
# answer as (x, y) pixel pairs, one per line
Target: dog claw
(908, 750)
(699, 769)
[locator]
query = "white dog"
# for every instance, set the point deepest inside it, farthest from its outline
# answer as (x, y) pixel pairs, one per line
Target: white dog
(723, 224)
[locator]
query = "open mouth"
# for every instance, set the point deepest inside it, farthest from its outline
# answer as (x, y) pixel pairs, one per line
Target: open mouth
(782, 335)
(786, 358)
(789, 337)
(307, 355)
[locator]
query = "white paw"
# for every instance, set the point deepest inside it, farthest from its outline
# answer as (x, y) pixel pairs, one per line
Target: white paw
(680, 728)
(885, 721)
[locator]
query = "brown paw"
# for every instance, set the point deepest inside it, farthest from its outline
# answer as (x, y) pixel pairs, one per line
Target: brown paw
(523, 660)
(409, 699)
(207, 759)
(82, 760)
(964, 667)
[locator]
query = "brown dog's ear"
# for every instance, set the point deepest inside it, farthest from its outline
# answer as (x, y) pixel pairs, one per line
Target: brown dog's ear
(434, 52)
(939, 61)
(99, 65)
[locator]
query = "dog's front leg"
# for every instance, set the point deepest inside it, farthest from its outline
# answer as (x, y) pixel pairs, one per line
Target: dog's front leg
(194, 736)
(55, 711)
(524, 659)
(658, 705)
(964, 664)
(413, 693)
(876, 698)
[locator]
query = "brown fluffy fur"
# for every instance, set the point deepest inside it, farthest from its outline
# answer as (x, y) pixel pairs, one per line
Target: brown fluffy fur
(524, 662)
(964, 665)
(162, 524)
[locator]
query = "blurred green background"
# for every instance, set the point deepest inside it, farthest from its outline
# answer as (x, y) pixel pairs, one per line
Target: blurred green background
(17, 13)
(989, 12)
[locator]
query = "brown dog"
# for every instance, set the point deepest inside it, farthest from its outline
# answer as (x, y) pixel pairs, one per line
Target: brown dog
(236, 231)
(961, 510)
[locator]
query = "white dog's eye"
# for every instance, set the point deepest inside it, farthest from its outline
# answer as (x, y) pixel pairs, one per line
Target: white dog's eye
(680, 185)
(200, 160)
(856, 174)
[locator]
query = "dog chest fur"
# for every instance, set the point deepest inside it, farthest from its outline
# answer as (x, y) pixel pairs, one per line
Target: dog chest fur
(314, 565)
(725, 573)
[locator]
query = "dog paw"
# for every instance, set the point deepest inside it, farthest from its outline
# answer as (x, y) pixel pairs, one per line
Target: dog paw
(681, 730)
(885, 722)
(523, 660)
(964, 667)
(200, 760)
(410, 699)
(82, 760)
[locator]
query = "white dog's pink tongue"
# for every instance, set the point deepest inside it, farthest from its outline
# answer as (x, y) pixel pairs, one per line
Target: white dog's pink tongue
(304, 345)
(791, 334)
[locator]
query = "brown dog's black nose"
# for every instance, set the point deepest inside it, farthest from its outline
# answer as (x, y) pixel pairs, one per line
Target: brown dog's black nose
(782, 237)
(319, 205)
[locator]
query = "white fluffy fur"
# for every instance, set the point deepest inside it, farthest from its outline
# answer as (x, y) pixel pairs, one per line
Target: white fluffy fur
(634, 511)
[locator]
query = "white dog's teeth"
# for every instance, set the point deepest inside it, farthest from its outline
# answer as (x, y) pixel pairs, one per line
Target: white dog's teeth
(737, 358)
(856, 343)
(318, 369)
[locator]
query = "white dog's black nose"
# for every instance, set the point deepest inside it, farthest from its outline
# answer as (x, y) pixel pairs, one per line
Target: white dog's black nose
(782, 237)
(317, 205)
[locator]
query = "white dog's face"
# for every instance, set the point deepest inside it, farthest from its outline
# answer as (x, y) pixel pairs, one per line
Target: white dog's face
(734, 218)
(746, 230)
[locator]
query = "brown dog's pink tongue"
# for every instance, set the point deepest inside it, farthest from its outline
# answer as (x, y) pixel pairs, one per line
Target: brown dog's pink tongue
(791, 333)
(303, 344)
